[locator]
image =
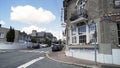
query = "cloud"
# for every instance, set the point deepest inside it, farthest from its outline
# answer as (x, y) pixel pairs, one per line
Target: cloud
(29, 29)
(2, 22)
(31, 15)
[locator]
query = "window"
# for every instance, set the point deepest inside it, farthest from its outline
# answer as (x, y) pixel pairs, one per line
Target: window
(73, 31)
(92, 38)
(1, 35)
(74, 39)
(82, 39)
(118, 27)
(117, 3)
(92, 27)
(82, 29)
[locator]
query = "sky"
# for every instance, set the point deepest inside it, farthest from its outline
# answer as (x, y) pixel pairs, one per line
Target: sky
(28, 15)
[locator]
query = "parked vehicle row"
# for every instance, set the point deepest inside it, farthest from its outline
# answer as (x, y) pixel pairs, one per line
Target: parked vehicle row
(54, 47)
(37, 45)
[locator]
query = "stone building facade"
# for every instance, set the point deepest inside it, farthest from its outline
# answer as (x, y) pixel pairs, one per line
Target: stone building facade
(90, 23)
(41, 37)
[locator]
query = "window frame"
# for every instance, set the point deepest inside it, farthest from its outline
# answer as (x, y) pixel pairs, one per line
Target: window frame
(116, 6)
(92, 27)
(2, 35)
(118, 30)
(73, 31)
(82, 39)
(82, 29)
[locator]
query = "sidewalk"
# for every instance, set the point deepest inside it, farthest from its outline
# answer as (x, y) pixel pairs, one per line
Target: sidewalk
(60, 57)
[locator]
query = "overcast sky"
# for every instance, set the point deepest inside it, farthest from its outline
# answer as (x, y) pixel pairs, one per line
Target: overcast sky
(28, 15)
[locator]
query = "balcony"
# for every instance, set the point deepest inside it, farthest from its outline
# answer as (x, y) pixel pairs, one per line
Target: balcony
(79, 16)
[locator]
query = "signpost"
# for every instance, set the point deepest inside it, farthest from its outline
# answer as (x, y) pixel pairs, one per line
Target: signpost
(95, 46)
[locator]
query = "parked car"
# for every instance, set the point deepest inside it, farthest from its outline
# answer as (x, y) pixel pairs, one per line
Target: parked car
(44, 45)
(36, 46)
(56, 47)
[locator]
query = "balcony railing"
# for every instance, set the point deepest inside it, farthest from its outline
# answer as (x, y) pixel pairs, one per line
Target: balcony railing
(78, 14)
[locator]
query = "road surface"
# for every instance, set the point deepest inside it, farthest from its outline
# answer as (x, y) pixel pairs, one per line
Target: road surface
(27, 58)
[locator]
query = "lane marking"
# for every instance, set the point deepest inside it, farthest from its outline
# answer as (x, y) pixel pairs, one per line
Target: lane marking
(30, 62)
(34, 51)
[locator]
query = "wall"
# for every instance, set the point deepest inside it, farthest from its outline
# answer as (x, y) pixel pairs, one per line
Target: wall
(14, 45)
(107, 6)
(102, 58)
(5, 30)
(108, 29)
(16, 36)
(92, 7)
(70, 9)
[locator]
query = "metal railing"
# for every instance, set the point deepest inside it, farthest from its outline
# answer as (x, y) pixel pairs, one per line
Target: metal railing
(79, 13)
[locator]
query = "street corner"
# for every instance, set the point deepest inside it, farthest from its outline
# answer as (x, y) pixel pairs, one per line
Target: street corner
(62, 58)
(56, 56)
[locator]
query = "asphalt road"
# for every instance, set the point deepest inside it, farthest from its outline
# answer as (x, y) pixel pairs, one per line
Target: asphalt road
(29, 59)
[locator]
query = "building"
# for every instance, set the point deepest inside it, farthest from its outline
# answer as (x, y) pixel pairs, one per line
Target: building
(93, 26)
(19, 36)
(24, 37)
(3, 33)
(54, 39)
(34, 33)
(41, 37)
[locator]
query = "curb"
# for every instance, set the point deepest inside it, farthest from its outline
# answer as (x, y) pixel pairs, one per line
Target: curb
(70, 63)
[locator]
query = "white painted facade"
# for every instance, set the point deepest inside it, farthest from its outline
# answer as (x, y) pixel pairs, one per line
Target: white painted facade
(90, 55)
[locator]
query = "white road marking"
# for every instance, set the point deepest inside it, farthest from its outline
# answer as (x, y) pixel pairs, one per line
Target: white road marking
(30, 62)
(34, 51)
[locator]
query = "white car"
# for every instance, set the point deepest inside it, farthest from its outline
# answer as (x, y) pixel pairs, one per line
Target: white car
(44, 45)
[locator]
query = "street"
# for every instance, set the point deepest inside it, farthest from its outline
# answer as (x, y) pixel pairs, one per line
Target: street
(27, 58)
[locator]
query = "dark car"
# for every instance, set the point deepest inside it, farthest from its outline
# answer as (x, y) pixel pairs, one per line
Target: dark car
(36, 46)
(56, 47)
